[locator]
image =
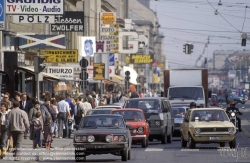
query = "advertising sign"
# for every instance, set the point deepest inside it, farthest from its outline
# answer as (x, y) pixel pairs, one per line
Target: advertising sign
(108, 18)
(2, 15)
(33, 19)
(34, 7)
(133, 43)
(71, 21)
(60, 56)
(142, 41)
(66, 73)
(90, 72)
(99, 71)
(88, 47)
(139, 59)
(111, 64)
(102, 46)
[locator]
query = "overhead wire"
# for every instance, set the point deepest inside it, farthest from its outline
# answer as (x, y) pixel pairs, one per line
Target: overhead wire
(244, 20)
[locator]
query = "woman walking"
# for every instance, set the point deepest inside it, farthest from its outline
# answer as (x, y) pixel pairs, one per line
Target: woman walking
(47, 132)
(3, 130)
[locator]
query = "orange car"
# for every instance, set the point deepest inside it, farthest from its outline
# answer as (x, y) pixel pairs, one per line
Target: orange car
(139, 128)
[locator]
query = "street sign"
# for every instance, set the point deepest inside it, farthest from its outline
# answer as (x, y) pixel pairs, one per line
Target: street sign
(42, 41)
(66, 73)
(2, 15)
(108, 37)
(64, 51)
(33, 19)
(99, 71)
(31, 7)
(61, 56)
(105, 29)
(84, 63)
(108, 18)
(102, 46)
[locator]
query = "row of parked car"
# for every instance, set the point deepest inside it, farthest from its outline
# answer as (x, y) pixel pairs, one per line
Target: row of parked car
(111, 129)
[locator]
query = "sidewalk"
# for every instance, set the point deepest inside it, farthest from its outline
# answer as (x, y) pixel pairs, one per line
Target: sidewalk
(30, 155)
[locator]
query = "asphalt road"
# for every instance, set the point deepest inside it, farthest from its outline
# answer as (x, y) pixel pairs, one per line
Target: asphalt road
(168, 153)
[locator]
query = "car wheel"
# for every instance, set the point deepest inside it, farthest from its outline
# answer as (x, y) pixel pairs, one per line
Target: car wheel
(125, 154)
(183, 142)
(144, 143)
(232, 144)
(223, 144)
(129, 154)
(164, 138)
(191, 142)
(79, 156)
(169, 138)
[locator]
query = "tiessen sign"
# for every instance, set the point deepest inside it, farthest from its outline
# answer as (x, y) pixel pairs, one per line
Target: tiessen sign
(71, 21)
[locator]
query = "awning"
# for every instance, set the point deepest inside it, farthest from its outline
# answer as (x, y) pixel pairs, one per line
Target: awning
(117, 79)
(133, 74)
(45, 75)
(108, 81)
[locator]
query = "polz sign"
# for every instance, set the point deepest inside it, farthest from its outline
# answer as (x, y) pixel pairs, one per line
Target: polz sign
(33, 19)
(66, 73)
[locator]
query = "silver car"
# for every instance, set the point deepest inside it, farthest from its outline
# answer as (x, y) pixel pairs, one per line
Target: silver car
(179, 112)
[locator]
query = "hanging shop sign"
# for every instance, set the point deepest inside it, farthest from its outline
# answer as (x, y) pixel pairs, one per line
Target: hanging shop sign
(34, 7)
(66, 73)
(99, 71)
(71, 21)
(108, 18)
(139, 59)
(33, 19)
(60, 56)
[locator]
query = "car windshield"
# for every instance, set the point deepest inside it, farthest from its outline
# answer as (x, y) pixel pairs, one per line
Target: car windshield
(130, 115)
(102, 121)
(195, 93)
(179, 112)
(208, 115)
(93, 111)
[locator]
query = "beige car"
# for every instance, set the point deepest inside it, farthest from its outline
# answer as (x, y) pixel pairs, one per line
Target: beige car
(207, 125)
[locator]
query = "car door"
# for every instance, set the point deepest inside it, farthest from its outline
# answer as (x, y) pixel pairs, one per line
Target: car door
(167, 113)
(185, 125)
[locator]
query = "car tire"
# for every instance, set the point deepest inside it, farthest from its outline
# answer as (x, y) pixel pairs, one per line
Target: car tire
(144, 143)
(223, 144)
(125, 154)
(164, 138)
(232, 144)
(79, 158)
(129, 154)
(169, 138)
(183, 142)
(191, 142)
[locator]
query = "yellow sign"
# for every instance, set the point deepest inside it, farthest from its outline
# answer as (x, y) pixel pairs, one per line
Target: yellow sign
(60, 56)
(108, 17)
(139, 59)
(115, 41)
(99, 71)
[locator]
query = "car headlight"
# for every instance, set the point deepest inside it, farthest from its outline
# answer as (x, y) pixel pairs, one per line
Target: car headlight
(115, 138)
(140, 129)
(231, 129)
(157, 123)
(77, 138)
(108, 138)
(84, 138)
(91, 138)
(122, 138)
(232, 114)
(197, 130)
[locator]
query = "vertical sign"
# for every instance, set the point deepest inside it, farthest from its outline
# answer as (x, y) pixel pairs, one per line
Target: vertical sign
(111, 64)
(2, 15)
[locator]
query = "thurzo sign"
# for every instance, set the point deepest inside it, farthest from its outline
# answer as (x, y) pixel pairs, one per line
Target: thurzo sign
(66, 73)
(2, 15)
(34, 7)
(33, 18)
(71, 21)
(60, 56)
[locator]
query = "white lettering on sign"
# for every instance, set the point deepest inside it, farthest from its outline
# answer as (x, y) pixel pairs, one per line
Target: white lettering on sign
(59, 19)
(108, 37)
(61, 27)
(38, 7)
(33, 19)
(66, 73)
(108, 29)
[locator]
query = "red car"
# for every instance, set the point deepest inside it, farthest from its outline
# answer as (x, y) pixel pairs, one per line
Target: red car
(139, 127)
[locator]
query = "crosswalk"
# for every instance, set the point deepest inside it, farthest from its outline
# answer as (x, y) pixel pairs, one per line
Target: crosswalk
(188, 150)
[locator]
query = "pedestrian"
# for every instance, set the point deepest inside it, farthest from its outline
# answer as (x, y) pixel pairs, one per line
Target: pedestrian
(47, 133)
(3, 129)
(38, 127)
(17, 124)
(63, 114)
(226, 96)
(79, 110)
(32, 115)
(54, 106)
(6, 99)
(86, 106)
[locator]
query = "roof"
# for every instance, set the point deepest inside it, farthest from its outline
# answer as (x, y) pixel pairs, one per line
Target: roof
(101, 109)
(147, 98)
(108, 106)
(130, 109)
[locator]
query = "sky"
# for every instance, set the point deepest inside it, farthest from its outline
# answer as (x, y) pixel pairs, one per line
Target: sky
(194, 21)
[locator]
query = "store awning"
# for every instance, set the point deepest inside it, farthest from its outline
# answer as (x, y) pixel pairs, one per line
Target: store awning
(45, 75)
(133, 74)
(117, 79)
(108, 81)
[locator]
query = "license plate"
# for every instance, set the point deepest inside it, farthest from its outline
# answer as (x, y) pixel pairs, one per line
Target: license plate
(100, 146)
(214, 138)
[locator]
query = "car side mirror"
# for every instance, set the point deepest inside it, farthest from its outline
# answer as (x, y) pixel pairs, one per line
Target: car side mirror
(128, 126)
(76, 127)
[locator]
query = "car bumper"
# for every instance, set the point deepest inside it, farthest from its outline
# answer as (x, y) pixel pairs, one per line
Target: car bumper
(157, 131)
(139, 137)
(213, 137)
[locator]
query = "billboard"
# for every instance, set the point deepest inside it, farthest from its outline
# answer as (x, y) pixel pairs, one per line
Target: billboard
(108, 18)
(88, 46)
(2, 15)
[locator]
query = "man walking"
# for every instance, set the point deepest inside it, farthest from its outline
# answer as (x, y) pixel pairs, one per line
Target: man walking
(62, 117)
(79, 110)
(17, 124)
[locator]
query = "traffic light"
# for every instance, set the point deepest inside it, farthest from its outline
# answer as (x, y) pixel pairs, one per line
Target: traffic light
(84, 78)
(185, 48)
(127, 76)
(38, 66)
(243, 42)
(190, 48)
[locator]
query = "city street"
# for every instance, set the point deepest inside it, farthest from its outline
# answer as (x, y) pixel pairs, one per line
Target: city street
(156, 152)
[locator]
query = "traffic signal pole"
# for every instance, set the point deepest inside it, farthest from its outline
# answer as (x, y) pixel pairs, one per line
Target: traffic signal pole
(37, 80)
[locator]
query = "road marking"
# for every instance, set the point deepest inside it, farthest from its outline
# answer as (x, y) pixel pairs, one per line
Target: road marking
(154, 149)
(190, 150)
(225, 149)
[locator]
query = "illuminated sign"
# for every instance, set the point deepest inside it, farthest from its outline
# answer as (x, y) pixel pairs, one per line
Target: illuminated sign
(140, 59)
(108, 17)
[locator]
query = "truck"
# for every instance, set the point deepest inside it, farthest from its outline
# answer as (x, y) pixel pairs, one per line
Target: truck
(186, 86)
